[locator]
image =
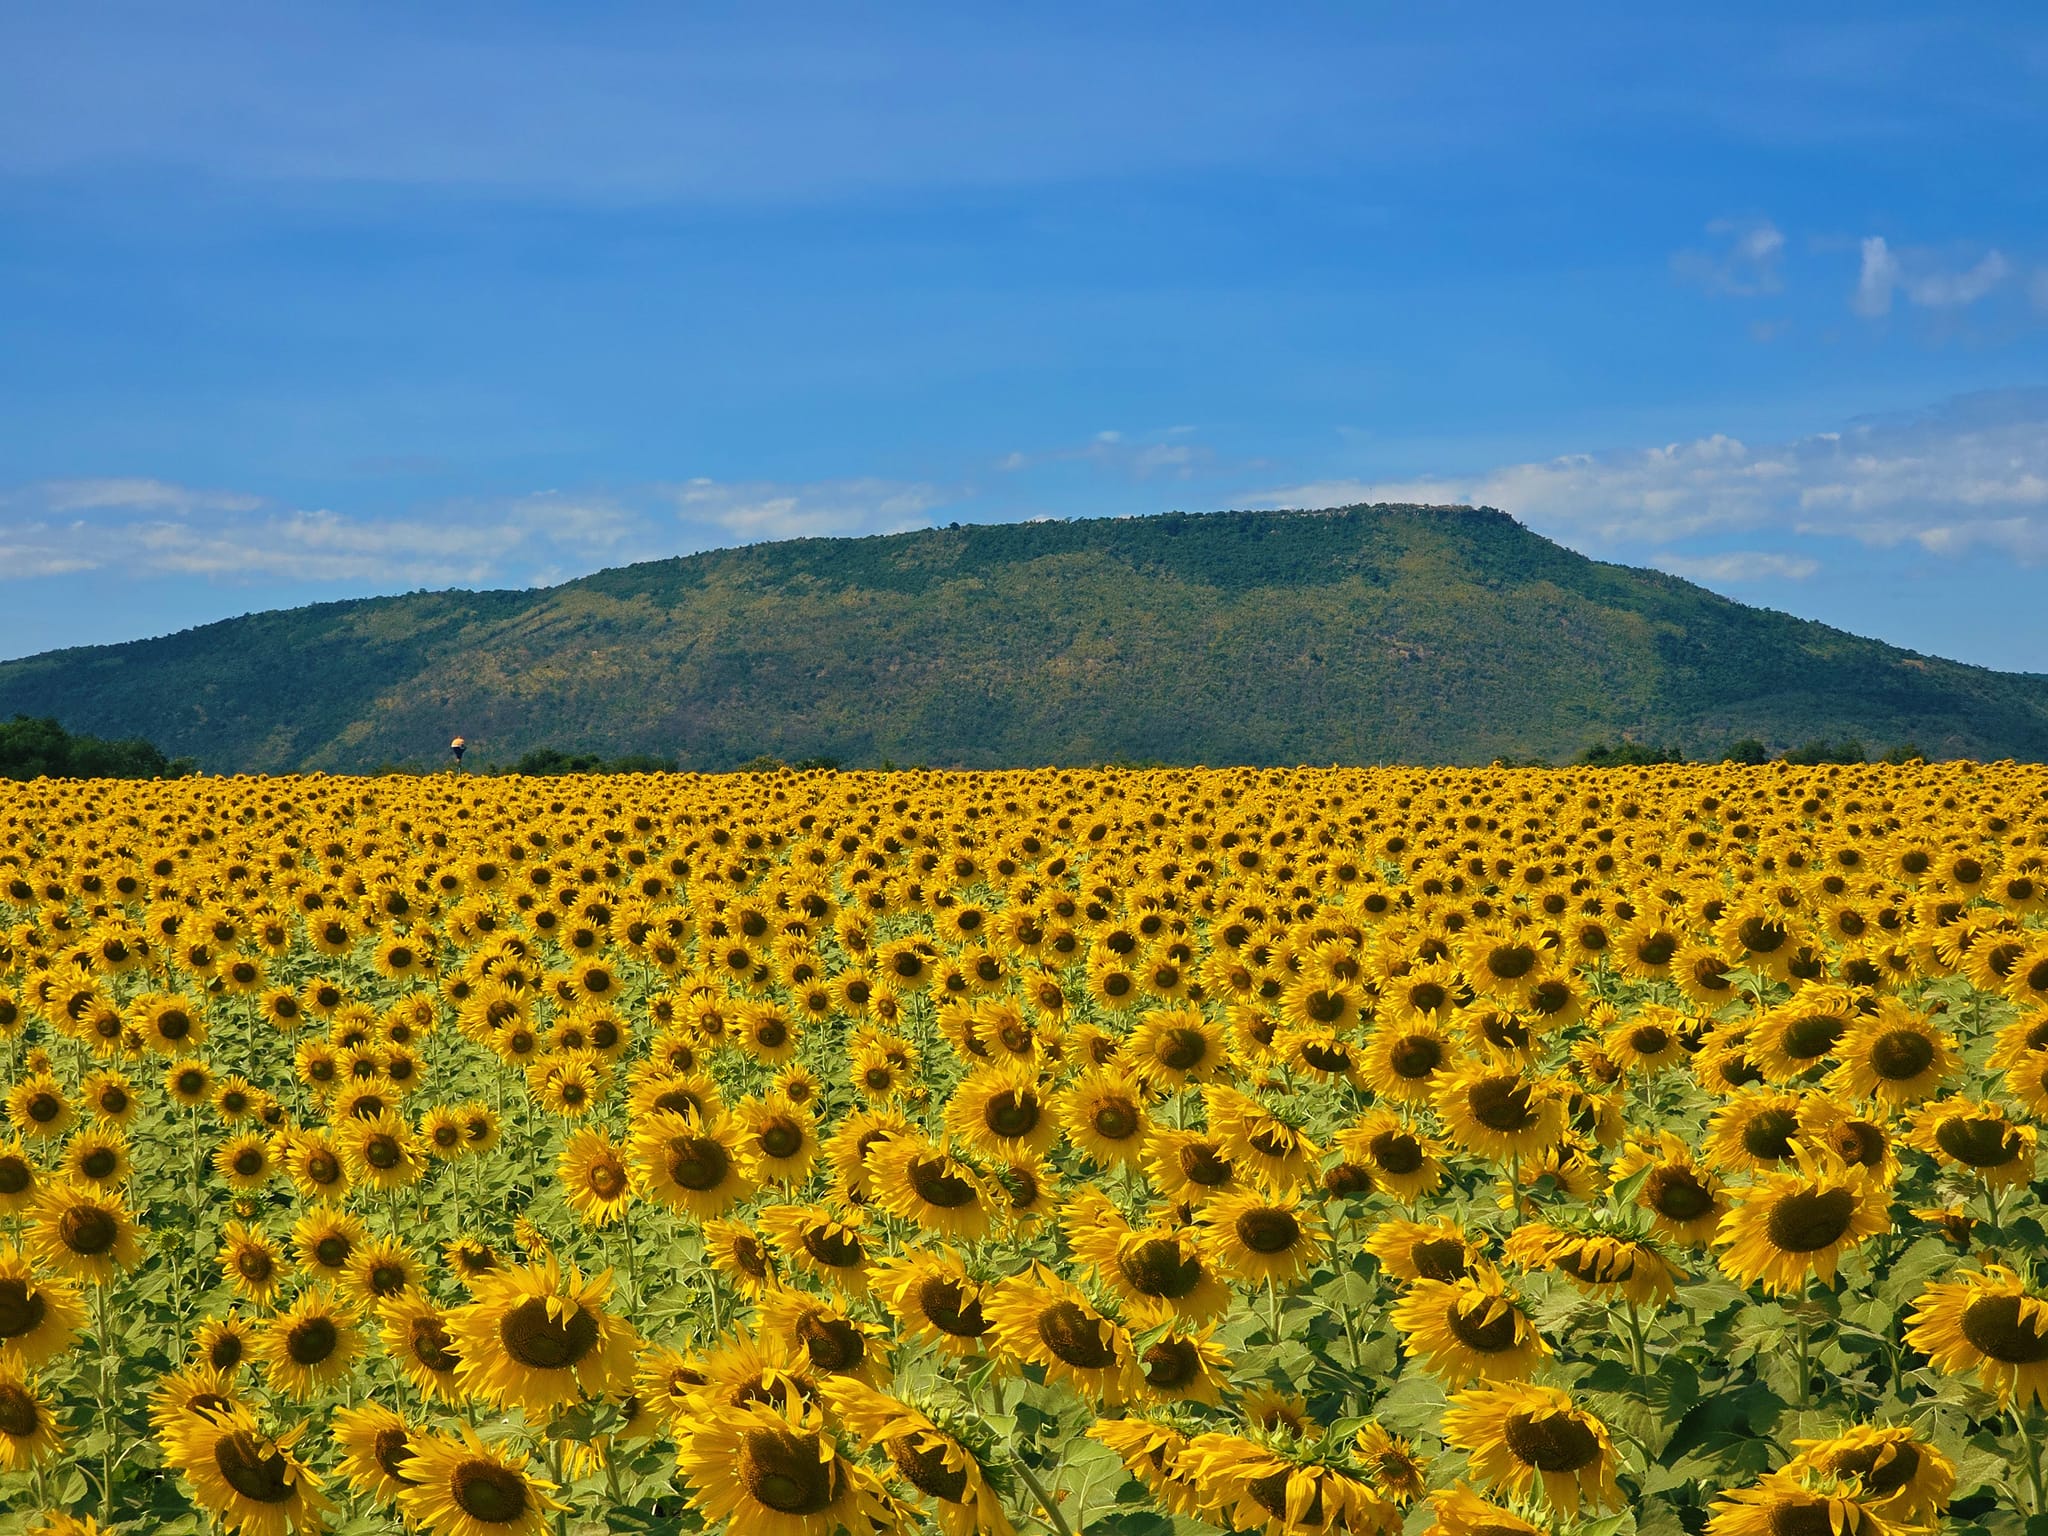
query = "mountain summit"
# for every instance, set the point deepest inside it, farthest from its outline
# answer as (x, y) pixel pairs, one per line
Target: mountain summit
(1356, 634)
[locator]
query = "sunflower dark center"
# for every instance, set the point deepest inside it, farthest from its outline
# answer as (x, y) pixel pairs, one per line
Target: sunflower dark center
(936, 1183)
(1428, 996)
(833, 1247)
(1074, 1336)
(44, 1107)
(834, 1343)
(1995, 1326)
(432, 1347)
(545, 1341)
(1326, 1057)
(1203, 1163)
(1676, 1194)
(101, 1162)
(748, 1253)
(323, 1168)
(782, 1470)
(15, 1174)
(255, 1266)
(1510, 962)
(1485, 1325)
(382, 1152)
(488, 1492)
(1502, 1104)
(926, 1469)
(1885, 1467)
(1116, 1120)
(249, 1162)
(1158, 1266)
(1901, 1054)
(1649, 1039)
(1860, 1143)
(606, 1179)
(949, 1310)
(1810, 1220)
(312, 1340)
(22, 1309)
(392, 1449)
(1979, 1141)
(1171, 1363)
(88, 1230)
(1397, 1152)
(1811, 1037)
(698, 1162)
(1270, 1494)
(254, 1470)
(1346, 1180)
(1416, 1057)
(1551, 1442)
(1761, 935)
(1185, 1049)
(1440, 1258)
(1268, 1229)
(1011, 1114)
(1768, 1135)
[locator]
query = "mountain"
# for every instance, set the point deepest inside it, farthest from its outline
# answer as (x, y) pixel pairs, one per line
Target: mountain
(1359, 634)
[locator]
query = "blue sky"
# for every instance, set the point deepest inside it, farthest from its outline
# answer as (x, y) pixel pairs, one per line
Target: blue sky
(309, 301)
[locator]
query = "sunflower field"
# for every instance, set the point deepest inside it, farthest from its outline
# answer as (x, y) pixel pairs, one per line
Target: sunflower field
(1506, 1152)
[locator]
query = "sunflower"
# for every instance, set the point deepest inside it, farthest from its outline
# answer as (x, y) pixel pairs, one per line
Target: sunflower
(932, 1297)
(1757, 1131)
(415, 1334)
(774, 1472)
(383, 1269)
(28, 1428)
(1905, 1478)
(1157, 1273)
(1275, 1153)
(194, 1389)
(37, 1108)
(1895, 1056)
(1148, 1449)
(1105, 1117)
(110, 1095)
(1000, 1111)
(1399, 1159)
(1705, 975)
(1182, 1364)
(738, 1252)
(935, 1460)
(1500, 963)
(1188, 1167)
(1801, 1034)
(1648, 1042)
(1857, 1139)
(223, 1343)
(21, 1182)
(1990, 1323)
(1521, 1438)
(252, 1262)
(314, 1163)
(1271, 1412)
(1392, 1464)
(1790, 1225)
(1596, 1262)
(819, 1243)
(39, 1315)
(1685, 1200)
(921, 1182)
(1467, 1328)
(827, 1338)
(463, 1487)
(375, 1445)
(381, 1152)
(1254, 1488)
(84, 1233)
(689, 1164)
(594, 1177)
(1789, 1503)
(1977, 1138)
(97, 1158)
(535, 1337)
(1039, 1319)
(1262, 1239)
(779, 1139)
(1499, 1113)
(1408, 1062)
(1176, 1046)
(1411, 1250)
(307, 1345)
(245, 1161)
(251, 1482)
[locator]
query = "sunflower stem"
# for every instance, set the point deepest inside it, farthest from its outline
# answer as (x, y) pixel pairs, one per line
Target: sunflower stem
(1273, 1308)
(1636, 1345)
(1045, 1500)
(2022, 1419)
(1805, 1371)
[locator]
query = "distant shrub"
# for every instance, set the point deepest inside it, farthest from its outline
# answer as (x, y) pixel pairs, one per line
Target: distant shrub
(41, 748)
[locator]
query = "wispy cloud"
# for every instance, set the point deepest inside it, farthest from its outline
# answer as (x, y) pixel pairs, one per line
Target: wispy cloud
(1746, 258)
(1173, 453)
(756, 510)
(1920, 276)
(1971, 474)
(1739, 565)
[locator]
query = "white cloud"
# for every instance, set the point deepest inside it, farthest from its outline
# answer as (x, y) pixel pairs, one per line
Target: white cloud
(133, 494)
(1739, 565)
(1973, 474)
(1923, 282)
(759, 510)
(1141, 458)
(1746, 261)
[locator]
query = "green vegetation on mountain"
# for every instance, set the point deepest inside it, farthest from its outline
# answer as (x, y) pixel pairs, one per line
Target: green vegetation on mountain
(1364, 634)
(39, 749)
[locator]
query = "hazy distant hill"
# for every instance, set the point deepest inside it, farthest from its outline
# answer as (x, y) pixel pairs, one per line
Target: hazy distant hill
(1363, 634)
